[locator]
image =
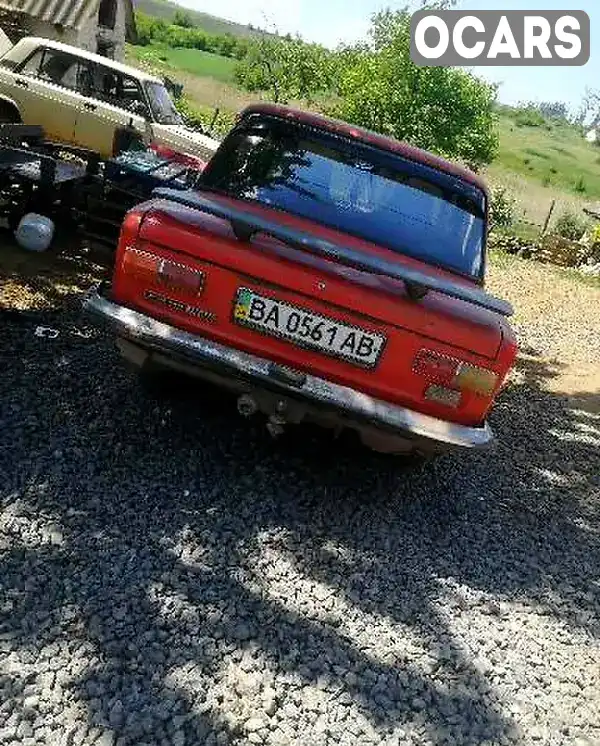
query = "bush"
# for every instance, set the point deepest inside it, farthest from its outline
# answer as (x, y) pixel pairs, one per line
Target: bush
(570, 226)
(183, 19)
(183, 33)
(149, 29)
(529, 118)
(502, 208)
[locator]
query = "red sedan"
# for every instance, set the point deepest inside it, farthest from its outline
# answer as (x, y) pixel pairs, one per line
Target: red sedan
(324, 273)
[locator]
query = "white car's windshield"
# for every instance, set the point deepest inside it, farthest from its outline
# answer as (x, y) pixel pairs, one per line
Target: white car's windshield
(163, 108)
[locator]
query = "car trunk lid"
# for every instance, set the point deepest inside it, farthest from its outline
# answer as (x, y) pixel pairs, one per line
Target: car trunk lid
(436, 315)
(302, 311)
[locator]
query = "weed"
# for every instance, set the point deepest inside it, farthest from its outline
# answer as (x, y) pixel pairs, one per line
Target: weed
(570, 226)
(502, 208)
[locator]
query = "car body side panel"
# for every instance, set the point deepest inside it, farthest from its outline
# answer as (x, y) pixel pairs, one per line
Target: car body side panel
(95, 129)
(41, 102)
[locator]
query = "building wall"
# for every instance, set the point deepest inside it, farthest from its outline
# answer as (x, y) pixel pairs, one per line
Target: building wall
(89, 37)
(19, 25)
(50, 31)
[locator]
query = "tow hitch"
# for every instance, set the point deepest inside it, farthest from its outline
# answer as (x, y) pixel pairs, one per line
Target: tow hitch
(274, 408)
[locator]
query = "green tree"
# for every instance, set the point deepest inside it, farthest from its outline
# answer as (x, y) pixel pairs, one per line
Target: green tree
(178, 36)
(149, 29)
(286, 69)
(183, 19)
(226, 45)
(241, 48)
(446, 110)
(199, 39)
(143, 24)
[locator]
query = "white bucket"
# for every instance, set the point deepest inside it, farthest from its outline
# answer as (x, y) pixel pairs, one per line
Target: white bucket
(35, 232)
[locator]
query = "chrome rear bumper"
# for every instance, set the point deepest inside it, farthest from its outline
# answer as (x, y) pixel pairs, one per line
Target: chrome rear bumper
(156, 336)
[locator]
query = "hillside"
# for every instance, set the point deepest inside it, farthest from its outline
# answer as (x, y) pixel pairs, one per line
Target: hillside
(554, 153)
(545, 162)
(211, 24)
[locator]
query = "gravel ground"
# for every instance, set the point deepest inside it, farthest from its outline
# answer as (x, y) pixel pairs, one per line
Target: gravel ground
(168, 575)
(556, 313)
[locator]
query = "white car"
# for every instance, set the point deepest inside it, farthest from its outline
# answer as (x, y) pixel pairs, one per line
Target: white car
(82, 98)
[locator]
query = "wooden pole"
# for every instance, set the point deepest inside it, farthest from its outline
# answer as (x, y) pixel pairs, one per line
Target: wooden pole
(548, 218)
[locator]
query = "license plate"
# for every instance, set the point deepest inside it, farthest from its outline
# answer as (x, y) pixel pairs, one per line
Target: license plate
(307, 329)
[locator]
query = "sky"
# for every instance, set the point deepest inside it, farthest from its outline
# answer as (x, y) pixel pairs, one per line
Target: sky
(330, 22)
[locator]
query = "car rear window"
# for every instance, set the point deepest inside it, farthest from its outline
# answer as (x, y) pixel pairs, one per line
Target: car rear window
(366, 192)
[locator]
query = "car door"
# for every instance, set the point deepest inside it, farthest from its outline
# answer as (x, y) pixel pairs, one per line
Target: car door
(117, 100)
(46, 89)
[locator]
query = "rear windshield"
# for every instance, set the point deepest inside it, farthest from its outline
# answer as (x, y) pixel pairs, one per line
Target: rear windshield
(360, 190)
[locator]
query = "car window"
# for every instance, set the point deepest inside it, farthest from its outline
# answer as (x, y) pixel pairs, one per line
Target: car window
(119, 90)
(32, 65)
(356, 189)
(59, 68)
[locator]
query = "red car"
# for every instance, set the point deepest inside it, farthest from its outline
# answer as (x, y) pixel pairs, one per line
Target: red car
(324, 273)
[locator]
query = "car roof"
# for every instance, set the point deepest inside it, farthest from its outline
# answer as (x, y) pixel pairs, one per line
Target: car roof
(371, 138)
(34, 41)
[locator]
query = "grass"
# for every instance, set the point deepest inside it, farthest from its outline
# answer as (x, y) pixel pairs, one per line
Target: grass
(194, 61)
(554, 155)
(534, 198)
(521, 229)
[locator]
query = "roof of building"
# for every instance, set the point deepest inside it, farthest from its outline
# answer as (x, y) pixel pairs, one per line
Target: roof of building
(68, 13)
(372, 138)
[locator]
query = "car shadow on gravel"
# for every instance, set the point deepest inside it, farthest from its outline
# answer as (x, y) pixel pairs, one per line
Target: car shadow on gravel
(176, 574)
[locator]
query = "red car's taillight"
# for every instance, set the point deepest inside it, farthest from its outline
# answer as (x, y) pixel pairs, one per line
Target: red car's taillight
(150, 268)
(141, 265)
(454, 374)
